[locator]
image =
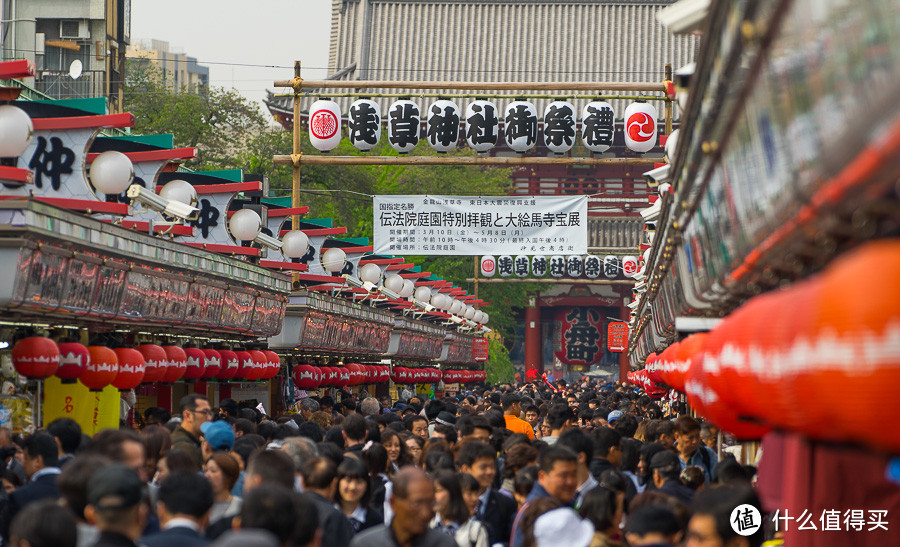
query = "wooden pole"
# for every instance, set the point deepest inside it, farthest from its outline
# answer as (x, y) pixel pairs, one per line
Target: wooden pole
(298, 159)
(503, 86)
(562, 281)
(295, 172)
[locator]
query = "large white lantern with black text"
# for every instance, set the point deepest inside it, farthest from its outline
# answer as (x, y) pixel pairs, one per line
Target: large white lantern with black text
(640, 127)
(574, 266)
(505, 265)
(520, 266)
(324, 125)
(520, 125)
(597, 126)
(559, 126)
(611, 266)
(539, 266)
(403, 122)
(557, 266)
(364, 124)
(442, 128)
(592, 266)
(482, 125)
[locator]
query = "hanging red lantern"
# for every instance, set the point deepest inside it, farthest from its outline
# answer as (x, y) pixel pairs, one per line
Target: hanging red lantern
(73, 360)
(305, 377)
(177, 360)
(352, 373)
(274, 364)
(131, 369)
(344, 377)
(102, 368)
(230, 365)
(260, 362)
(319, 376)
(155, 362)
(245, 365)
(195, 364)
(35, 357)
(213, 364)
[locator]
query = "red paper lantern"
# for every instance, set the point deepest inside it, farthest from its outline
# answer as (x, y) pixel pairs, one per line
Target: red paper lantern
(131, 369)
(230, 365)
(177, 360)
(343, 377)
(195, 364)
(319, 375)
(35, 357)
(305, 377)
(155, 362)
(213, 364)
(260, 364)
(274, 364)
(353, 372)
(73, 360)
(102, 368)
(245, 365)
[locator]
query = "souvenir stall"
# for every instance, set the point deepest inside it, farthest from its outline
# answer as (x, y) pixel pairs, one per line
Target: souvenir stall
(768, 296)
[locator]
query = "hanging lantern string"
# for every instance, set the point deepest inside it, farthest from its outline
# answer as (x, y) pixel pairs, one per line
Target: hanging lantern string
(639, 97)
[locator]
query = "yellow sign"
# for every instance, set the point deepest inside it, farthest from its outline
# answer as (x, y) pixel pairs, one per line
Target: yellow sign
(93, 410)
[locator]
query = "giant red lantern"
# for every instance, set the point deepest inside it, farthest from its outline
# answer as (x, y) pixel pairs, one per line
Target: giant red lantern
(35, 357)
(195, 364)
(155, 362)
(230, 365)
(213, 364)
(177, 361)
(73, 360)
(131, 369)
(354, 373)
(102, 368)
(305, 377)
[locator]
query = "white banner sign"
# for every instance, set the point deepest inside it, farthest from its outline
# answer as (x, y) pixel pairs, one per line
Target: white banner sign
(469, 225)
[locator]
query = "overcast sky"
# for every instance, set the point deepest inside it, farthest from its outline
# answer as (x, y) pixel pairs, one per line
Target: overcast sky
(253, 32)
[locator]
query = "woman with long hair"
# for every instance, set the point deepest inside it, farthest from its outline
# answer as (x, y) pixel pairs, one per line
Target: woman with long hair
(157, 441)
(222, 472)
(604, 508)
(397, 452)
(375, 457)
(452, 514)
(415, 445)
(354, 491)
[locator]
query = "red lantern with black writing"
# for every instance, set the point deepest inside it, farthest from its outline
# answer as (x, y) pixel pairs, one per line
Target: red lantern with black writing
(73, 360)
(177, 360)
(230, 365)
(580, 335)
(35, 357)
(155, 362)
(195, 364)
(102, 368)
(131, 369)
(213, 364)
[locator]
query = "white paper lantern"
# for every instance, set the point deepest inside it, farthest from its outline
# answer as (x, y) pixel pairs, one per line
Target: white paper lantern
(482, 125)
(16, 130)
(442, 128)
(403, 123)
(179, 190)
(488, 266)
(671, 146)
(611, 266)
(598, 121)
(364, 124)
(592, 266)
(111, 172)
(520, 124)
(408, 288)
(539, 266)
(505, 266)
(485, 318)
(334, 259)
(479, 317)
(470, 312)
(557, 266)
(630, 266)
(559, 126)
(394, 283)
(324, 125)
(294, 244)
(521, 265)
(370, 273)
(423, 294)
(640, 127)
(245, 225)
(574, 266)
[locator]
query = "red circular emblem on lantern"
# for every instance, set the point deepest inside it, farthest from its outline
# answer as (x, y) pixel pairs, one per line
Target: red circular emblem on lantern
(323, 124)
(640, 127)
(195, 363)
(102, 368)
(73, 359)
(156, 362)
(213, 364)
(35, 357)
(230, 364)
(177, 361)
(131, 369)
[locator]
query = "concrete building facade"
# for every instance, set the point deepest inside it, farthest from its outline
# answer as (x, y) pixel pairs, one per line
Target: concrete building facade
(180, 70)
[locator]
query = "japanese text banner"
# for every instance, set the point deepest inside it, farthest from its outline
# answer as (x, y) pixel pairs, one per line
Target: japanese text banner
(469, 225)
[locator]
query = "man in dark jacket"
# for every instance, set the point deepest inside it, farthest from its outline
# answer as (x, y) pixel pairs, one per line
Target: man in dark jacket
(114, 503)
(494, 509)
(666, 468)
(184, 502)
(41, 468)
(320, 482)
(607, 451)
(195, 411)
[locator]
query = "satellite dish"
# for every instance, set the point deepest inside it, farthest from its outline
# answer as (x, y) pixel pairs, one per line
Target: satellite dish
(75, 69)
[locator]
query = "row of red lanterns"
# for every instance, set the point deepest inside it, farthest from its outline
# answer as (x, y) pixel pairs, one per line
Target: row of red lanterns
(786, 358)
(125, 368)
(651, 386)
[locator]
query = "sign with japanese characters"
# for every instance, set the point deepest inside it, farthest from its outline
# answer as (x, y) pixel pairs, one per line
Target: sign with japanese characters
(480, 351)
(617, 336)
(581, 336)
(470, 225)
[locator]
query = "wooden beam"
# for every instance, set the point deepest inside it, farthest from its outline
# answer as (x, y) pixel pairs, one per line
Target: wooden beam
(301, 159)
(297, 85)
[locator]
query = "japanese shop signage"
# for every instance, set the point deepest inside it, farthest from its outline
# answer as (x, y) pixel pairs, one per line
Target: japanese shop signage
(476, 225)
(580, 336)
(480, 349)
(617, 336)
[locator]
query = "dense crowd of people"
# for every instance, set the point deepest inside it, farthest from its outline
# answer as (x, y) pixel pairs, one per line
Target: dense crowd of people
(536, 465)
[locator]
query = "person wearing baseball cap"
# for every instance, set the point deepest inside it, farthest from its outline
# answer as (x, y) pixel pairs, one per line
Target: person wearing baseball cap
(114, 503)
(216, 436)
(666, 468)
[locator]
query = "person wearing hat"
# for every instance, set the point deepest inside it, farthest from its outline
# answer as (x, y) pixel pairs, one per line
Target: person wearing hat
(216, 436)
(114, 506)
(562, 526)
(613, 416)
(666, 468)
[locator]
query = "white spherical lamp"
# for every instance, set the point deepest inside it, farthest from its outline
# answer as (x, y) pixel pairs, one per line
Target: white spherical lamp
(479, 317)
(294, 244)
(334, 259)
(456, 307)
(408, 288)
(111, 172)
(370, 273)
(470, 312)
(180, 190)
(486, 317)
(439, 300)
(423, 294)
(394, 283)
(245, 225)
(16, 130)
